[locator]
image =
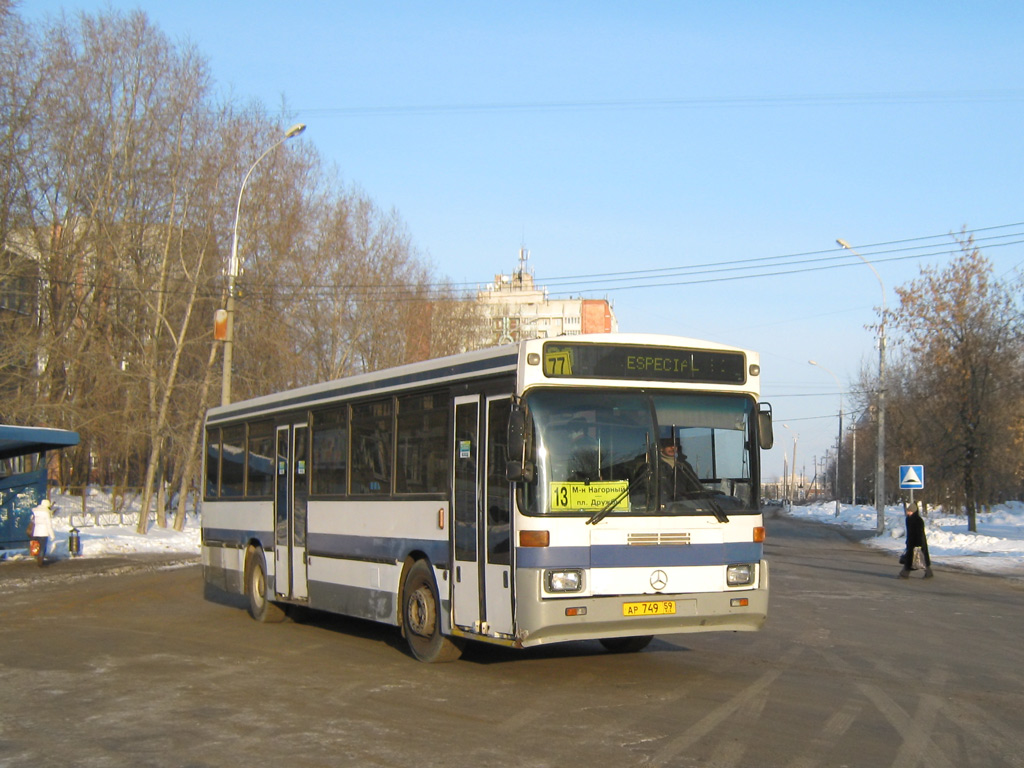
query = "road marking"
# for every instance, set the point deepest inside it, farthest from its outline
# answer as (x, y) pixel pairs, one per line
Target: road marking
(833, 730)
(917, 747)
(720, 714)
(918, 739)
(1002, 740)
(731, 752)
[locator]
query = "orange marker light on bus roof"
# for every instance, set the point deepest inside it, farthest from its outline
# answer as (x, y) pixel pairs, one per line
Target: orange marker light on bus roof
(534, 538)
(759, 534)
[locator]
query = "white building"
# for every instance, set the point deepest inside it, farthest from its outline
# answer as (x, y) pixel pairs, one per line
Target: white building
(520, 310)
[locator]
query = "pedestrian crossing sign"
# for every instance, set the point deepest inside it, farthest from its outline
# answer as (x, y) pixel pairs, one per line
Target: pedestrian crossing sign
(911, 477)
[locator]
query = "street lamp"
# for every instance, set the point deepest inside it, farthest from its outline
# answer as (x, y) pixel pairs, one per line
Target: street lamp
(880, 465)
(233, 269)
(792, 487)
(839, 442)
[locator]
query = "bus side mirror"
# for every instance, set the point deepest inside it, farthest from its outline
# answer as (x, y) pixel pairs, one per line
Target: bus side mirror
(765, 436)
(518, 469)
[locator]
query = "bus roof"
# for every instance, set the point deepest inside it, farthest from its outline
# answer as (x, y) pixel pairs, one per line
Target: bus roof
(493, 360)
(20, 441)
(488, 361)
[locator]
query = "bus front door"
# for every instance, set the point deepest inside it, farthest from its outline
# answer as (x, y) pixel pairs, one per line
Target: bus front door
(290, 503)
(481, 588)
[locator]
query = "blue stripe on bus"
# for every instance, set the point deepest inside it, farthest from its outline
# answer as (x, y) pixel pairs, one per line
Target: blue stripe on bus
(237, 538)
(377, 549)
(626, 556)
(393, 550)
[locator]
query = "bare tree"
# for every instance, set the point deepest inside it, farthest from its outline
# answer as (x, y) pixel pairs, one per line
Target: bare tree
(117, 205)
(962, 338)
(351, 296)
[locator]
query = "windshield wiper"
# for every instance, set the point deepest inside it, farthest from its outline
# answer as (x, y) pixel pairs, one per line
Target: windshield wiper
(716, 508)
(603, 512)
(704, 493)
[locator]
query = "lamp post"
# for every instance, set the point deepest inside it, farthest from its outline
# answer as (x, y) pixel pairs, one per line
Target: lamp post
(233, 269)
(880, 463)
(839, 441)
(792, 487)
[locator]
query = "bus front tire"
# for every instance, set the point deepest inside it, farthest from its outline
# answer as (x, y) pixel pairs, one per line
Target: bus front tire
(261, 607)
(421, 619)
(626, 644)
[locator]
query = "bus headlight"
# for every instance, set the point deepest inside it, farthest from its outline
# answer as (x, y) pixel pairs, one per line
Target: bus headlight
(563, 581)
(739, 575)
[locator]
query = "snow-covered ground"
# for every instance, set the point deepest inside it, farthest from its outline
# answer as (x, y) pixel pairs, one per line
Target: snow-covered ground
(997, 546)
(115, 532)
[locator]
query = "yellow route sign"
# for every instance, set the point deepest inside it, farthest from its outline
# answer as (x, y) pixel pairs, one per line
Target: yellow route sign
(587, 497)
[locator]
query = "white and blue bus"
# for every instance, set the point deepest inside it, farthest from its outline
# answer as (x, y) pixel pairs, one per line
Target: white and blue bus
(590, 487)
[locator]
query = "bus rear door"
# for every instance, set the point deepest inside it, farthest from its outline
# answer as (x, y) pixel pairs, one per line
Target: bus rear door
(290, 503)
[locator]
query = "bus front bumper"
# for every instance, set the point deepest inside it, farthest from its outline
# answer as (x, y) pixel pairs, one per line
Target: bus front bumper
(593, 618)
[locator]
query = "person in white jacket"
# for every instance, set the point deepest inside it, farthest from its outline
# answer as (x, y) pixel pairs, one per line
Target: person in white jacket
(42, 527)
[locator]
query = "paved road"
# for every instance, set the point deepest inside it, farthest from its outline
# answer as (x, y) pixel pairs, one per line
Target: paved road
(854, 668)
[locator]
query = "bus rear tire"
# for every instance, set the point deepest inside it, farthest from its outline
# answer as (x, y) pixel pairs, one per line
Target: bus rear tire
(626, 644)
(421, 617)
(261, 607)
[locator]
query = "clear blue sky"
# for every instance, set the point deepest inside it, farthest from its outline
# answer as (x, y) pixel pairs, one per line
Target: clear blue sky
(609, 137)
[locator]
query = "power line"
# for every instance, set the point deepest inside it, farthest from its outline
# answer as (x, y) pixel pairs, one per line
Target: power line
(695, 274)
(676, 103)
(780, 273)
(702, 273)
(868, 249)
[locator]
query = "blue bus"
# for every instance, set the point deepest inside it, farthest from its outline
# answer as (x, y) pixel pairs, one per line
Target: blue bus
(23, 476)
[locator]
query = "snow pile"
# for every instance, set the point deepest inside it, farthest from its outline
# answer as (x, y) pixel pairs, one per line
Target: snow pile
(996, 547)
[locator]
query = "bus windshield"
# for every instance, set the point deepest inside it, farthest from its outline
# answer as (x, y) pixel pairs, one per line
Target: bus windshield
(602, 453)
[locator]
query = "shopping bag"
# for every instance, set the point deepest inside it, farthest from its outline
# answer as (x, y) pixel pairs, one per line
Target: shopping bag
(918, 559)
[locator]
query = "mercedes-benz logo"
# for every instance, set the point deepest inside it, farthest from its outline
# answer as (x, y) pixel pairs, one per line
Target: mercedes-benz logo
(659, 580)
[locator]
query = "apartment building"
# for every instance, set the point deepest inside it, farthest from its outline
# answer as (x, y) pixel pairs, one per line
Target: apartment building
(519, 309)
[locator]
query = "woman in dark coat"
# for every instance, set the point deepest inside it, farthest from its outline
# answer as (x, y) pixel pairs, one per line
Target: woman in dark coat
(915, 538)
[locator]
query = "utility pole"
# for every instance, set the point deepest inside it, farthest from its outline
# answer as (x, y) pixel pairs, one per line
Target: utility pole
(853, 469)
(880, 400)
(785, 476)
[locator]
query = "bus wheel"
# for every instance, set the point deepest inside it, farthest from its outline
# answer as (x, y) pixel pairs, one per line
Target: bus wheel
(421, 617)
(260, 607)
(626, 644)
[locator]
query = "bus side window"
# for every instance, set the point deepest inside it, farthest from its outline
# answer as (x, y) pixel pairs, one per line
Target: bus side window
(372, 431)
(232, 461)
(212, 462)
(260, 460)
(421, 462)
(330, 451)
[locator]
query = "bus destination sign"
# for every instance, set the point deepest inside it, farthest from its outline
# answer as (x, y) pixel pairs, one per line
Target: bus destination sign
(626, 361)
